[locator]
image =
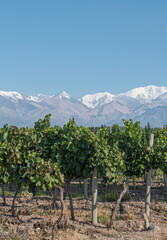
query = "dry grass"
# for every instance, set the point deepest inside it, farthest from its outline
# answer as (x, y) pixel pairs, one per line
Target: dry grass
(36, 219)
(125, 217)
(72, 235)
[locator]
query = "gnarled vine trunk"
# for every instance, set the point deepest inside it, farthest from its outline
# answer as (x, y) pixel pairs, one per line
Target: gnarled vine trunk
(70, 198)
(112, 218)
(14, 199)
(61, 217)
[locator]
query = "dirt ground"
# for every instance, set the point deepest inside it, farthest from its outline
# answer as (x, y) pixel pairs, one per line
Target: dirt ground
(35, 218)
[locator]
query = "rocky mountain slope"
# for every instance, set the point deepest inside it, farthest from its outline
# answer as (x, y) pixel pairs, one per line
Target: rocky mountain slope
(146, 104)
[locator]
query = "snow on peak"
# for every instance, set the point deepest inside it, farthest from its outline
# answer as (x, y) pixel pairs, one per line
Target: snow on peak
(149, 92)
(63, 95)
(42, 97)
(37, 98)
(14, 95)
(94, 100)
(142, 94)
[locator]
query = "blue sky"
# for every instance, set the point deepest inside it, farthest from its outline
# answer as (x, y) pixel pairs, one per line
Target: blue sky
(82, 46)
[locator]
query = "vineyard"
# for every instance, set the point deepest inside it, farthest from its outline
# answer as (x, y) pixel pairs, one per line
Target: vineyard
(77, 183)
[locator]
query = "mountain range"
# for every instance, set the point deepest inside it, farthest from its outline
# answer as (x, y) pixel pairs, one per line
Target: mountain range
(144, 104)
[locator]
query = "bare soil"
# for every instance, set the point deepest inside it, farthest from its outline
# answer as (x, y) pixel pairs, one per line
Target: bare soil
(35, 218)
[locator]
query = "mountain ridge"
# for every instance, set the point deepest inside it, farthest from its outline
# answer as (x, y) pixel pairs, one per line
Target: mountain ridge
(90, 110)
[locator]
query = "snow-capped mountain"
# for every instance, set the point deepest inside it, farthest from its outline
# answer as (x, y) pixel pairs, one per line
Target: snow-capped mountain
(43, 97)
(94, 100)
(143, 94)
(37, 98)
(147, 104)
(63, 95)
(12, 95)
(147, 93)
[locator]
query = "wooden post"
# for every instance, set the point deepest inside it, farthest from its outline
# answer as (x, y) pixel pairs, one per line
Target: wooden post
(86, 188)
(3, 195)
(80, 186)
(148, 181)
(127, 184)
(165, 182)
(94, 197)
